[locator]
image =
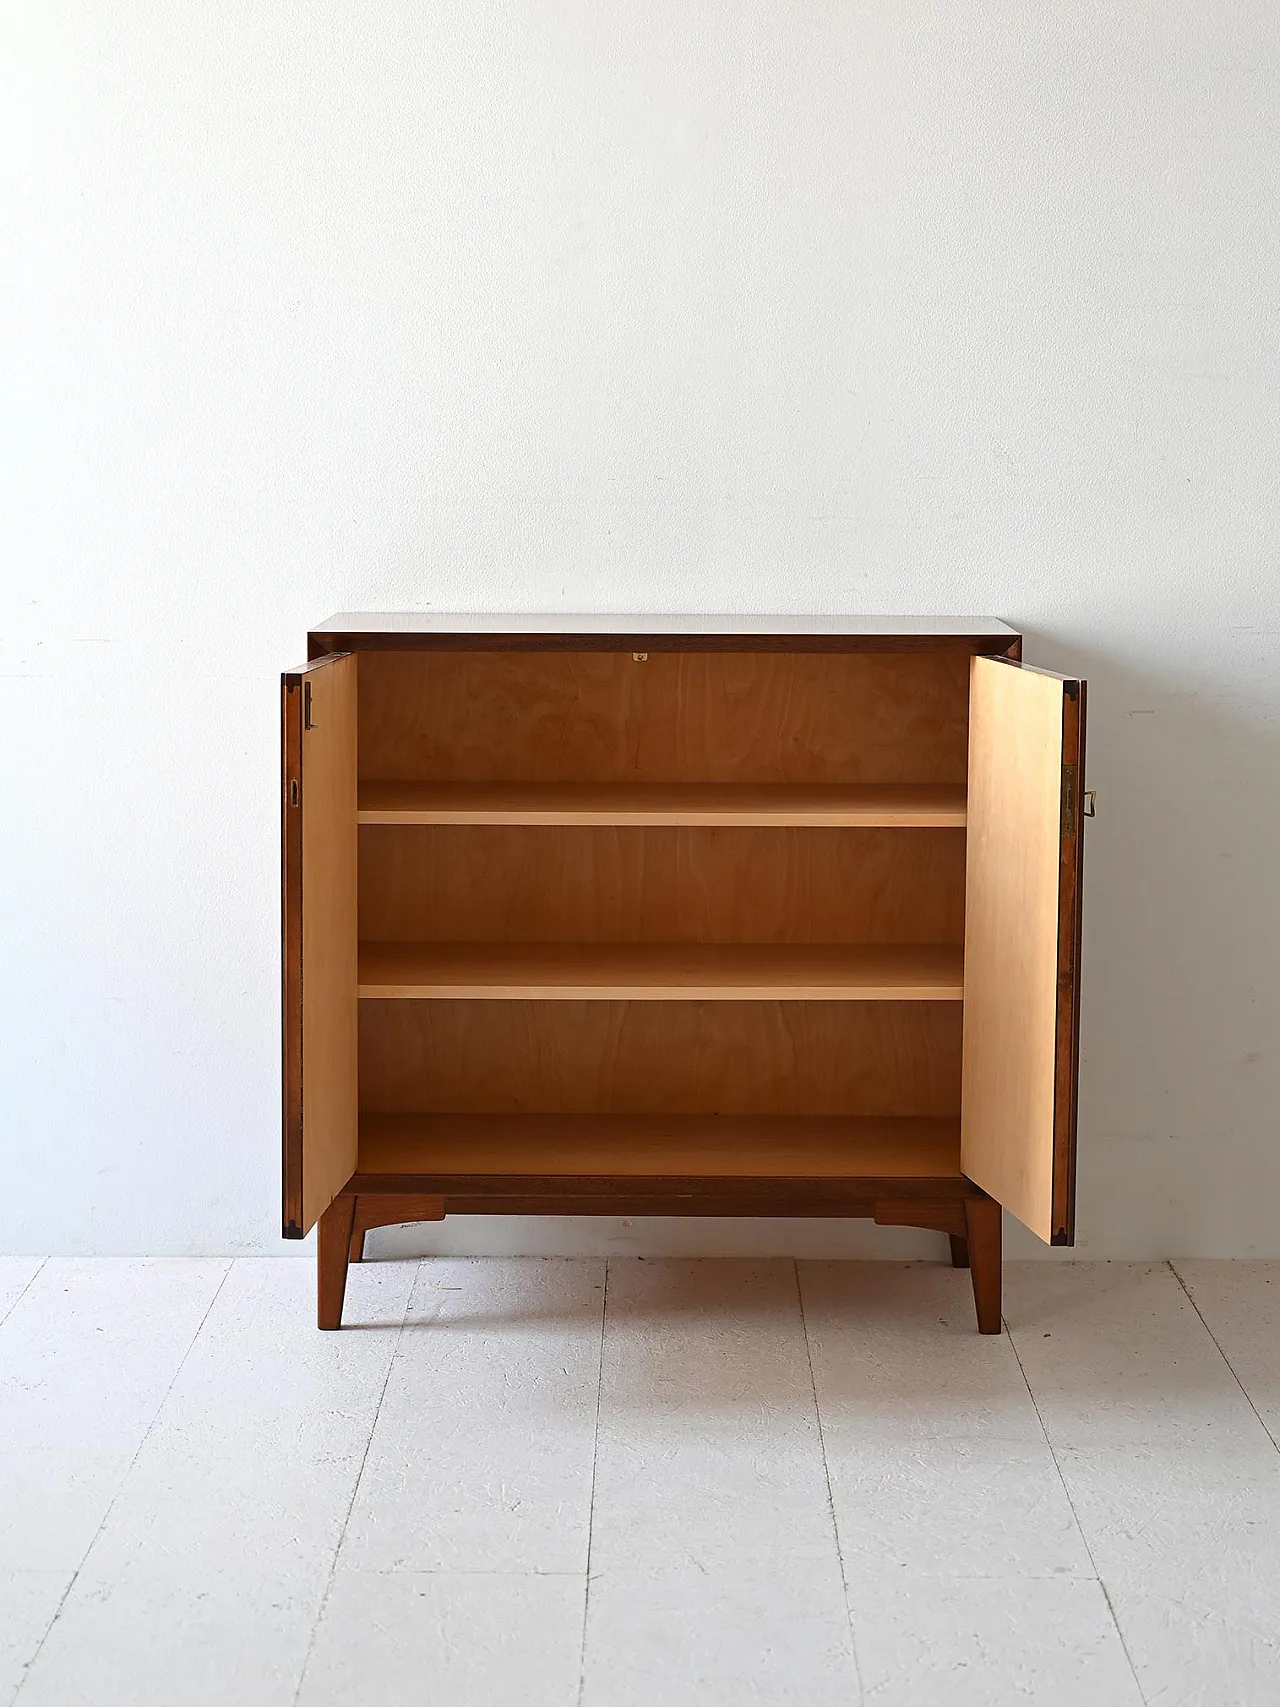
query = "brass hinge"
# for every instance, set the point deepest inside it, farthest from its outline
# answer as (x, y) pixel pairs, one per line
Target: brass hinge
(306, 706)
(1068, 800)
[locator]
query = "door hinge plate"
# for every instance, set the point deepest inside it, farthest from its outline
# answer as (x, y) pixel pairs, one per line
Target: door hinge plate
(1068, 800)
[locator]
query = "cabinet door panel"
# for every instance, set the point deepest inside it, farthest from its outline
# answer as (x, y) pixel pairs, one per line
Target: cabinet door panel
(321, 1030)
(1022, 942)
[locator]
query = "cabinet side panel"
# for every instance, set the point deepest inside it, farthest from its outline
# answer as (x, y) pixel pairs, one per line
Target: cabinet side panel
(291, 953)
(1013, 935)
(329, 957)
(1070, 919)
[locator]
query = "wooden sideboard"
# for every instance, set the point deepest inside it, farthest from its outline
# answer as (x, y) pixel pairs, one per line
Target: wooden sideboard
(680, 916)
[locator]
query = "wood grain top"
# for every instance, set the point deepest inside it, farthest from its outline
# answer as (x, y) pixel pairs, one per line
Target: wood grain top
(744, 804)
(659, 1146)
(661, 972)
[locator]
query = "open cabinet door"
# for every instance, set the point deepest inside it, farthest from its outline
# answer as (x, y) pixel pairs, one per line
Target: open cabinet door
(318, 706)
(1022, 942)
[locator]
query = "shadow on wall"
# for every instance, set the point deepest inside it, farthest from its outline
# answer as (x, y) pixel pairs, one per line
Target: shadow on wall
(1180, 1022)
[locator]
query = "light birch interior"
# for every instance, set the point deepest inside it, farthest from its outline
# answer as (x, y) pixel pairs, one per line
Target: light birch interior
(592, 884)
(700, 1057)
(708, 717)
(740, 875)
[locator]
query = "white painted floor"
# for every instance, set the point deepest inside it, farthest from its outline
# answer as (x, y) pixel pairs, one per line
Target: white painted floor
(532, 1483)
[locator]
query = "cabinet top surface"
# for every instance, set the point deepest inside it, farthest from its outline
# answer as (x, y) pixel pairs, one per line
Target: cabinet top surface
(405, 626)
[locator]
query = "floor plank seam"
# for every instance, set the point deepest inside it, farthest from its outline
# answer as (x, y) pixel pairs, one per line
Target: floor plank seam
(963, 1574)
(591, 1503)
(1222, 1354)
(29, 1667)
(1075, 1516)
(355, 1489)
(40, 1268)
(826, 1472)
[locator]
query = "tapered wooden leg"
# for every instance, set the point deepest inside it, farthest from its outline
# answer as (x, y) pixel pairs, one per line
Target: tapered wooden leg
(982, 1218)
(332, 1255)
(959, 1251)
(357, 1245)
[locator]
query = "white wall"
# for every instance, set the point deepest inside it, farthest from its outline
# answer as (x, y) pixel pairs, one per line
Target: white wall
(795, 305)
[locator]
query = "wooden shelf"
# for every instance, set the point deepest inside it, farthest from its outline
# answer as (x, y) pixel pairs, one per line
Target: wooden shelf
(627, 1146)
(660, 972)
(806, 804)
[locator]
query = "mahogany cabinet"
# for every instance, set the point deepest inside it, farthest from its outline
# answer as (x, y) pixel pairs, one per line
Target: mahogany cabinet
(696, 916)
